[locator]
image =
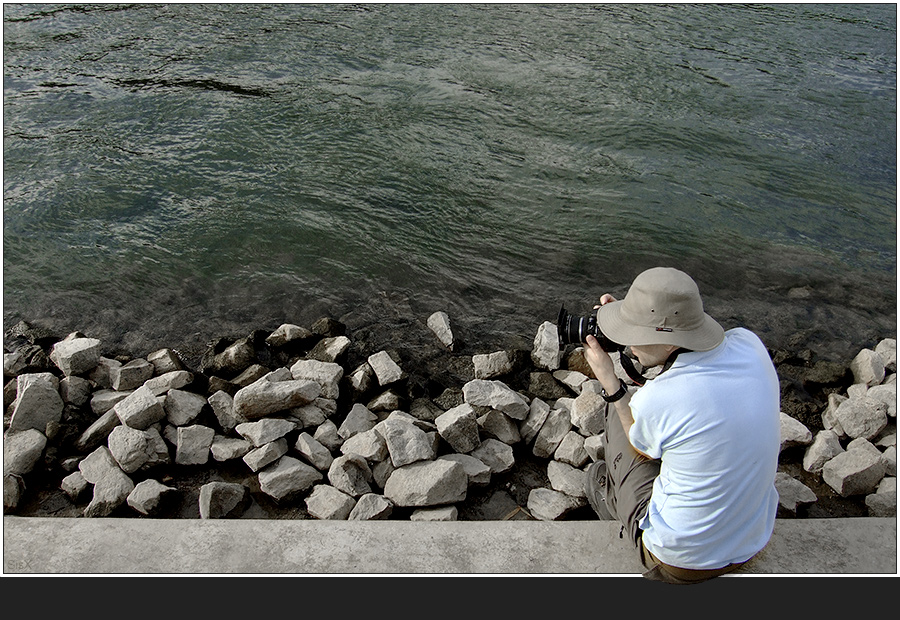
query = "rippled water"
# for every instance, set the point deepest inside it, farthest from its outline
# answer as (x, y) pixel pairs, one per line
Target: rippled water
(176, 172)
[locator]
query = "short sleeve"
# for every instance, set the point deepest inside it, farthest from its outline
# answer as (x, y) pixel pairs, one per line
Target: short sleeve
(643, 435)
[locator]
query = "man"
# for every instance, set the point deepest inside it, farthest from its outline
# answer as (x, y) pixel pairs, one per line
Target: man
(691, 456)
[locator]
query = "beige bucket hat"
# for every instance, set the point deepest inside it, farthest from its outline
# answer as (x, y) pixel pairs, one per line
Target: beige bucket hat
(662, 306)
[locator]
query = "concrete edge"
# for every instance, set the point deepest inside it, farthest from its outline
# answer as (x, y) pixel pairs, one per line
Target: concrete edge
(247, 546)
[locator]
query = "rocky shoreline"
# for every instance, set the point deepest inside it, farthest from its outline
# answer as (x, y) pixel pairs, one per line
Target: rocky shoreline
(317, 422)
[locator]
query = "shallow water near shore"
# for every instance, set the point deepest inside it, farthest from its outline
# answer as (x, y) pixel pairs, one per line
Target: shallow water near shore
(175, 173)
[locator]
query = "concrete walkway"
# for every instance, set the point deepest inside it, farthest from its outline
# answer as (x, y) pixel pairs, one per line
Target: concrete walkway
(249, 546)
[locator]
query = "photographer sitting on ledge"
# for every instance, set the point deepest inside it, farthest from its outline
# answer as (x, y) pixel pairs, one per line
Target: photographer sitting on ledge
(691, 456)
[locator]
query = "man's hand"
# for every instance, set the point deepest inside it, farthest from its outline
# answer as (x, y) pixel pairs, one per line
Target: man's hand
(599, 360)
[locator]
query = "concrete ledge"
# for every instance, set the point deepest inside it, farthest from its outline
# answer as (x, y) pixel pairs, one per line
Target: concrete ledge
(248, 546)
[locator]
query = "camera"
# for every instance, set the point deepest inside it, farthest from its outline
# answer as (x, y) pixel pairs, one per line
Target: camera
(576, 329)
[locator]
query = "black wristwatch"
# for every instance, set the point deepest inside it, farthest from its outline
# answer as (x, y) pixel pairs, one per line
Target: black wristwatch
(622, 391)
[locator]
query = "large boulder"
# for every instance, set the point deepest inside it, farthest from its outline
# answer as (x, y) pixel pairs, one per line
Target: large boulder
(427, 483)
(37, 402)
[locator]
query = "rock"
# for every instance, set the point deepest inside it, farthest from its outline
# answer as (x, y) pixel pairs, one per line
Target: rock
(439, 323)
(459, 428)
(861, 417)
(264, 397)
(887, 351)
(546, 353)
(885, 393)
(571, 450)
(438, 513)
(824, 447)
(327, 374)
(427, 483)
(387, 401)
(571, 378)
(491, 365)
(74, 486)
(332, 349)
(549, 505)
(259, 458)
(253, 373)
(129, 447)
(13, 364)
(868, 367)
(165, 360)
(496, 455)
(362, 380)
(37, 402)
(351, 474)
(229, 448)
(889, 458)
(479, 474)
(97, 432)
(501, 427)
(76, 356)
(287, 477)
(368, 444)
(22, 450)
(100, 374)
(308, 415)
(371, 507)
(566, 478)
(103, 400)
(595, 446)
(75, 391)
(793, 432)
(313, 451)
(140, 409)
(588, 412)
(405, 442)
(264, 431)
(130, 376)
(288, 333)
(882, 505)
(855, 471)
(228, 360)
(194, 443)
(496, 395)
(111, 485)
(149, 496)
(327, 434)
(359, 419)
(537, 415)
(13, 490)
(222, 405)
(792, 493)
(224, 500)
(182, 407)
(327, 502)
(173, 380)
(386, 369)
(555, 428)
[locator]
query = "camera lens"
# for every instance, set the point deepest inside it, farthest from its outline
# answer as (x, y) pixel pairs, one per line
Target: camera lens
(576, 329)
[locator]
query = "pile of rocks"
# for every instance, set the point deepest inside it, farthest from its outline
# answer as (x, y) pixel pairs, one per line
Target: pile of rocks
(359, 440)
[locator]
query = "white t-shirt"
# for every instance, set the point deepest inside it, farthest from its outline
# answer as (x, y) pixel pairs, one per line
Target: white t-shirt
(713, 419)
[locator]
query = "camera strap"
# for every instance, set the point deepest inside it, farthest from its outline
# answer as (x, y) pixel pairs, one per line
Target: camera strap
(638, 378)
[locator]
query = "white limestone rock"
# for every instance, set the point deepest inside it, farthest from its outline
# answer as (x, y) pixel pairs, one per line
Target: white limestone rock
(140, 409)
(549, 505)
(439, 323)
(458, 426)
(437, 513)
(351, 474)
(288, 333)
(75, 355)
(22, 450)
(537, 415)
(130, 448)
(193, 444)
(885, 393)
(224, 500)
(829, 419)
(359, 419)
(327, 502)
(229, 448)
(491, 365)
(263, 397)
(499, 426)
(75, 390)
(588, 413)
(496, 455)
(222, 405)
(427, 483)
(406, 443)
(889, 458)
(172, 380)
(566, 479)
(571, 450)
(130, 376)
(313, 451)
(97, 432)
(571, 378)
(74, 486)
(825, 446)
(387, 371)
(595, 446)
(264, 431)
(478, 472)
(371, 507)
(103, 400)
(496, 395)
(856, 471)
(287, 477)
(330, 349)
(149, 496)
(327, 435)
(183, 407)
(368, 444)
(165, 360)
(868, 367)
(887, 350)
(793, 432)
(327, 374)
(546, 353)
(862, 417)
(37, 402)
(259, 458)
(792, 493)
(555, 428)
